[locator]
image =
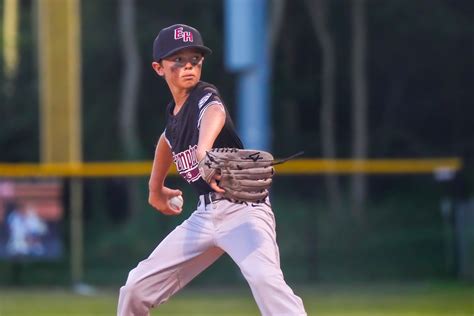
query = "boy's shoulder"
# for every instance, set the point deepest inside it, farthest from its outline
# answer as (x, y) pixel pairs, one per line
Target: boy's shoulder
(206, 93)
(205, 87)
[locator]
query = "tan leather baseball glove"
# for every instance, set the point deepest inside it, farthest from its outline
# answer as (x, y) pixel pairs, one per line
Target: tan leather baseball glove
(246, 174)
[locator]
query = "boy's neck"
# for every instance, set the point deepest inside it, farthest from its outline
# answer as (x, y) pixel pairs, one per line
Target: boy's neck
(180, 96)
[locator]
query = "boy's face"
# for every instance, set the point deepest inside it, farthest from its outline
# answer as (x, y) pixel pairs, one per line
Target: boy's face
(181, 70)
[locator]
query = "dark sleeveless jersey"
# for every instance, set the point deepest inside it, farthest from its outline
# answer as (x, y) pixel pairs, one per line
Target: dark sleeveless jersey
(182, 133)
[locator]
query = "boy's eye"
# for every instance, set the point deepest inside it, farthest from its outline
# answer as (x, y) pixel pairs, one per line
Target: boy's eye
(183, 60)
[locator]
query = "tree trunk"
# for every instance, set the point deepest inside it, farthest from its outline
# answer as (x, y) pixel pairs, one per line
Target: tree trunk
(359, 98)
(131, 79)
(277, 11)
(318, 10)
(289, 107)
(129, 94)
(10, 46)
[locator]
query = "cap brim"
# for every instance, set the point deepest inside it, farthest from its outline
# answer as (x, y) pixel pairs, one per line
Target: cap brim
(205, 50)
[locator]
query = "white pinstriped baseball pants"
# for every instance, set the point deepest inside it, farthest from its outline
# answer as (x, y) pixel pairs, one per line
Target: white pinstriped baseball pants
(244, 232)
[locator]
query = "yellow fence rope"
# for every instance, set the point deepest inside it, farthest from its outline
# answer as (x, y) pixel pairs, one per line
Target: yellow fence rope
(293, 167)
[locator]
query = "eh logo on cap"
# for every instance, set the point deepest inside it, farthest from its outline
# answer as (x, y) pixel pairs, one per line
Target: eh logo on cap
(179, 34)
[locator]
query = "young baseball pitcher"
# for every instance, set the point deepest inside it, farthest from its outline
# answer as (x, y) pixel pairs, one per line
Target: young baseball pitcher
(233, 214)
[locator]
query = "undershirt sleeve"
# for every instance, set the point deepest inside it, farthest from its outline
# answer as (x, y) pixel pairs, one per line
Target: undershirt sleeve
(166, 138)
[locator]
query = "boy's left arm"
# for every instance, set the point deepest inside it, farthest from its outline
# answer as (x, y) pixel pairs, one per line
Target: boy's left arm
(212, 122)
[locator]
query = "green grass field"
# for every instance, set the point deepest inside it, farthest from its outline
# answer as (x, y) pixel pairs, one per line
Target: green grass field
(435, 299)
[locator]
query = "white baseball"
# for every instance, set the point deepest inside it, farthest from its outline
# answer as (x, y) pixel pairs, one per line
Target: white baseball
(176, 202)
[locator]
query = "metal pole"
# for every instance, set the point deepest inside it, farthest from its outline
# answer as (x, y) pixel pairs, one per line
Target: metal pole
(77, 240)
(247, 43)
(60, 111)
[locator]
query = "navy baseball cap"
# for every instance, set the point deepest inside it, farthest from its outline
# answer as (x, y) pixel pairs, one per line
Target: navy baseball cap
(176, 37)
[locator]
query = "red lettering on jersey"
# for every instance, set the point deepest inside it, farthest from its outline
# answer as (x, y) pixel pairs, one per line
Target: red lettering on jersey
(187, 155)
(179, 162)
(187, 164)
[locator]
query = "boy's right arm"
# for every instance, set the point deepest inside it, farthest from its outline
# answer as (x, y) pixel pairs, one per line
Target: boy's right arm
(159, 194)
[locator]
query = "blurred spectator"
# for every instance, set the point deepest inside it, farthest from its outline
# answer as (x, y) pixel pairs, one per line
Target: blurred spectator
(26, 230)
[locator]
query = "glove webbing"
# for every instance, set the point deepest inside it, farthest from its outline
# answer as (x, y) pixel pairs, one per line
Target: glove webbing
(254, 157)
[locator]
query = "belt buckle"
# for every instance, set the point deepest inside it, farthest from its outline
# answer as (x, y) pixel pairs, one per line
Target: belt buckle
(210, 197)
(207, 198)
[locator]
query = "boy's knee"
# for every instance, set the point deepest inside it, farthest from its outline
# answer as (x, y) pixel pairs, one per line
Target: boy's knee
(261, 278)
(130, 292)
(132, 300)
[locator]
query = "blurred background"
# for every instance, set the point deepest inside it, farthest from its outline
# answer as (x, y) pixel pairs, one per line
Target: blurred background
(382, 90)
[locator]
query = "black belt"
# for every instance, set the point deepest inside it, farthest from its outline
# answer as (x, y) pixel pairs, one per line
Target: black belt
(211, 196)
(214, 196)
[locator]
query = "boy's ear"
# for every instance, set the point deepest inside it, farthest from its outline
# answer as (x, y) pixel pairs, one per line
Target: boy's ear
(158, 68)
